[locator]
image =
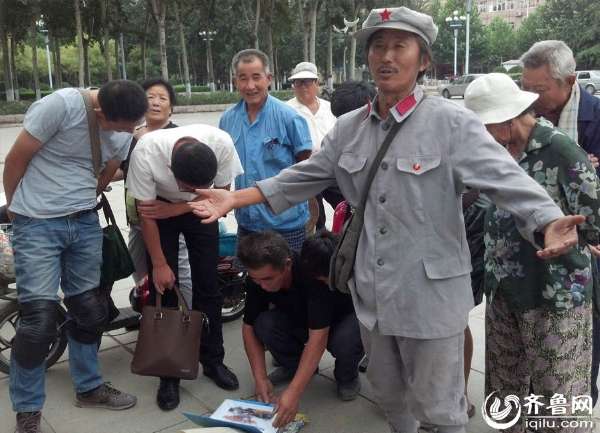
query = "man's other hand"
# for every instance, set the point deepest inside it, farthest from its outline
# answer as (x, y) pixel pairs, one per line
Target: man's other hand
(560, 236)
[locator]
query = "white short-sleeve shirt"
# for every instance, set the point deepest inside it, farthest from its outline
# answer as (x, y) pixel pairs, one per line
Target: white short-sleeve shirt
(150, 174)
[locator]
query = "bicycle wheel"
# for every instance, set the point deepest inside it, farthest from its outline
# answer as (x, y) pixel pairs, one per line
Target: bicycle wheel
(9, 315)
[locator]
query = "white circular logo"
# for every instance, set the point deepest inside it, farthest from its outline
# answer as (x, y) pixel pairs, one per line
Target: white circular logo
(495, 417)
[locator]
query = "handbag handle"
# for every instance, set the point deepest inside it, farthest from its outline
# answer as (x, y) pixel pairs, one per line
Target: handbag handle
(182, 303)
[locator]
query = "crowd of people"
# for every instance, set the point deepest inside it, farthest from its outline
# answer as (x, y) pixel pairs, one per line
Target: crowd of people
(498, 197)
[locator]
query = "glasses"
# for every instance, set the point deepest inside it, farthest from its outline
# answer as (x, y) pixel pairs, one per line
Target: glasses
(304, 82)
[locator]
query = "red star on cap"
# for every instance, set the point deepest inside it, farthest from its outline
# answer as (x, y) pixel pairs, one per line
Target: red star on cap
(385, 15)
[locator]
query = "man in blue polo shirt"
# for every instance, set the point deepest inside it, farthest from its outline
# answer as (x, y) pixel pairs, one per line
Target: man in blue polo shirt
(269, 136)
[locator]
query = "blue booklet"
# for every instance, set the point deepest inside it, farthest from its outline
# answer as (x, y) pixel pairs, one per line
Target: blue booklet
(245, 415)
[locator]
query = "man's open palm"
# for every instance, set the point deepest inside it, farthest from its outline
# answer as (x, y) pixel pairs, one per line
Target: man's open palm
(212, 204)
(560, 236)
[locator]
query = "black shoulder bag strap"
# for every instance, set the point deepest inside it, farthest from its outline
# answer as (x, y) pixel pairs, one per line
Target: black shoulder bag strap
(342, 261)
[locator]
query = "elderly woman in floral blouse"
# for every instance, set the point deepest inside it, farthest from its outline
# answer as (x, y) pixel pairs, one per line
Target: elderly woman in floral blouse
(538, 318)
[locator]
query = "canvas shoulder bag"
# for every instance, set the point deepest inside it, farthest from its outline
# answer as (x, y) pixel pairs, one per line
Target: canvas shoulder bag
(341, 267)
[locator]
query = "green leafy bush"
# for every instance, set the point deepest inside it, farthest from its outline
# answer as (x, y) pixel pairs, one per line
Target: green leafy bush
(16, 107)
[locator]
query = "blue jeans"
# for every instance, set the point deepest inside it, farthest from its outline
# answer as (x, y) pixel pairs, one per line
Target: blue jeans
(48, 252)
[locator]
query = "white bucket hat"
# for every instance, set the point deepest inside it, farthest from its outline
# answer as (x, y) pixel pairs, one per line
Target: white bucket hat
(304, 70)
(496, 98)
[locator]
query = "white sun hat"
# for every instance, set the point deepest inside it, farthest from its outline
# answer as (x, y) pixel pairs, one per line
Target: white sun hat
(304, 70)
(496, 98)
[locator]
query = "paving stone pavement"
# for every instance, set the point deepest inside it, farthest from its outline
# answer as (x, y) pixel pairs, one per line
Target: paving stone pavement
(326, 413)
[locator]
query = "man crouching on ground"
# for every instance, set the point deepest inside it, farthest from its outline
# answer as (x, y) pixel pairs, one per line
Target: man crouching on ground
(307, 318)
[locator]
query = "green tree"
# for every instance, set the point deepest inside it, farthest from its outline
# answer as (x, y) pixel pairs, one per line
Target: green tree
(500, 42)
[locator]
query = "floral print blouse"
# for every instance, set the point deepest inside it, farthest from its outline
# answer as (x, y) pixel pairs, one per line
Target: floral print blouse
(560, 166)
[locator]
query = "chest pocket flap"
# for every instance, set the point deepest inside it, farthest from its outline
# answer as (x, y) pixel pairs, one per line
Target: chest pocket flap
(351, 162)
(418, 164)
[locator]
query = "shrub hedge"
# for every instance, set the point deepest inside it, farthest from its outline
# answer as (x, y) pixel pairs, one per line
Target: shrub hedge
(204, 98)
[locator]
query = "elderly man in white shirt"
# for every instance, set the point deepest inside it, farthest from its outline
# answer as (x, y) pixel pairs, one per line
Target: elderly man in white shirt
(316, 112)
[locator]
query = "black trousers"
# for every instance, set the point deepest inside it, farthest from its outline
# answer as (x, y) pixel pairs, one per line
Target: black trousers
(202, 242)
(286, 342)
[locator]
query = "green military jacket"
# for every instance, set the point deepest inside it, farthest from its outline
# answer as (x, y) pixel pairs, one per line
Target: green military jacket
(526, 282)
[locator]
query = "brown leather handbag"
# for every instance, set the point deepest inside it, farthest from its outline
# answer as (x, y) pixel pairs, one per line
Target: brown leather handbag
(169, 340)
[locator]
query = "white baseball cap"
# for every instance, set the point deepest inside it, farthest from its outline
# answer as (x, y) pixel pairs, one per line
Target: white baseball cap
(496, 98)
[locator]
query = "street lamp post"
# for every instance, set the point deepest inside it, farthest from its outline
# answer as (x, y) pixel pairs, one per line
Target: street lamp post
(456, 23)
(467, 36)
(207, 36)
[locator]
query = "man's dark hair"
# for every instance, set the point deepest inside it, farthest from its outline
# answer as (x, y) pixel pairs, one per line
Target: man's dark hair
(424, 51)
(351, 95)
(263, 248)
(316, 254)
(193, 162)
(151, 82)
(122, 100)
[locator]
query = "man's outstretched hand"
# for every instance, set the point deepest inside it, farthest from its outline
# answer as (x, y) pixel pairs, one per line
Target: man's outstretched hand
(560, 236)
(212, 204)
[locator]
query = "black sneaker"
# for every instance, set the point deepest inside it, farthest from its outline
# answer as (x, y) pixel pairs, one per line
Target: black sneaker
(29, 422)
(167, 396)
(105, 397)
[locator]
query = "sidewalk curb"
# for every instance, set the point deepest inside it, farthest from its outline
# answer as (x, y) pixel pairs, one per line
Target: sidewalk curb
(18, 118)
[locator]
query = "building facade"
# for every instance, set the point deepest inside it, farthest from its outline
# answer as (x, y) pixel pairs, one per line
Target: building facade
(512, 11)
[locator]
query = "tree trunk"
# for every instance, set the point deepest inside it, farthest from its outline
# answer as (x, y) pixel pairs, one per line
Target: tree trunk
(184, 57)
(269, 30)
(6, 56)
(118, 61)
(144, 46)
(329, 56)
(13, 69)
(105, 39)
(314, 6)
(55, 49)
(352, 62)
(257, 25)
(86, 62)
(123, 62)
(34, 62)
(81, 74)
(159, 8)
(303, 31)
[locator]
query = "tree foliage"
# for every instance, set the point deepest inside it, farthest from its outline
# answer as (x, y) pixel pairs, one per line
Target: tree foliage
(282, 30)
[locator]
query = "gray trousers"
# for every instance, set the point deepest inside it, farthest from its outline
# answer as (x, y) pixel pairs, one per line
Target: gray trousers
(418, 381)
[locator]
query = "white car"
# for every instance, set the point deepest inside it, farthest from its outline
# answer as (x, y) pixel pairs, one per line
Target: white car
(589, 80)
(457, 87)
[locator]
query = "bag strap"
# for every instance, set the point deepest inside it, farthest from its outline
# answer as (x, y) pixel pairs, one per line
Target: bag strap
(93, 129)
(107, 210)
(360, 210)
